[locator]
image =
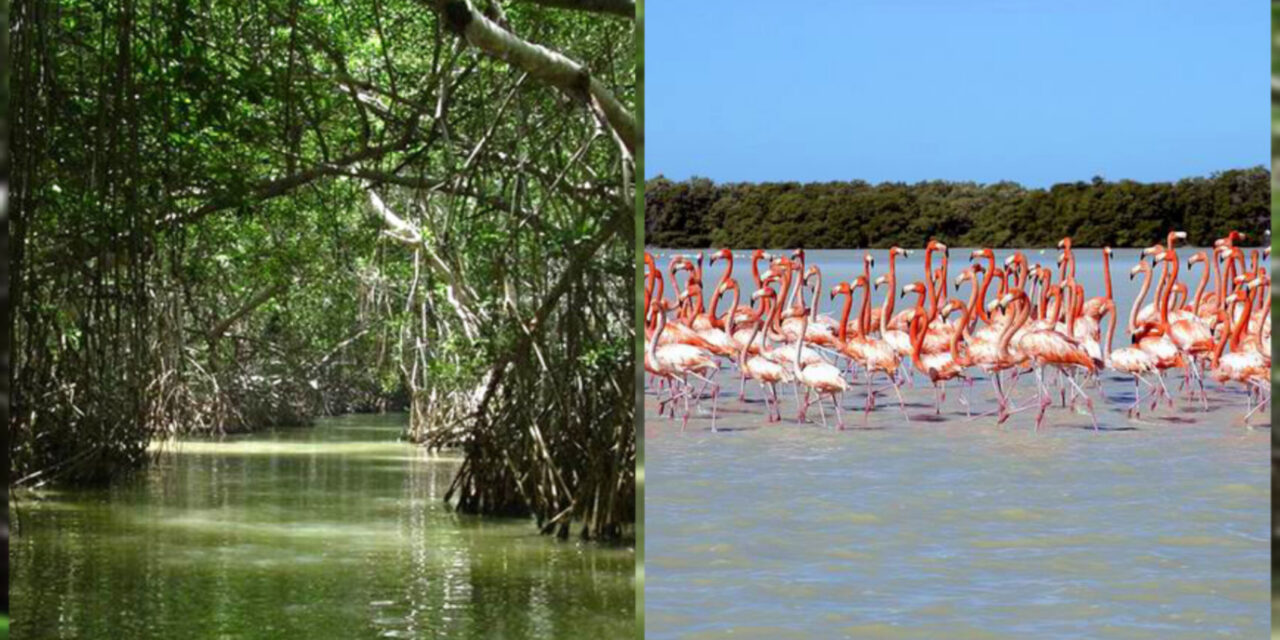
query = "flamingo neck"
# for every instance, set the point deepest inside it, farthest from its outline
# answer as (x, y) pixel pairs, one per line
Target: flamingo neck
(813, 313)
(986, 282)
(864, 317)
(844, 316)
(1204, 283)
(727, 323)
(742, 353)
(1243, 324)
(1168, 290)
(1106, 272)
(661, 320)
(918, 328)
(1137, 302)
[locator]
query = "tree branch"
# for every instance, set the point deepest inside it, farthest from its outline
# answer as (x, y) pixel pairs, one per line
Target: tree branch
(548, 66)
(252, 303)
(618, 8)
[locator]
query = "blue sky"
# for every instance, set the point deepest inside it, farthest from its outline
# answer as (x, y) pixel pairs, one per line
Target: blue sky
(1033, 91)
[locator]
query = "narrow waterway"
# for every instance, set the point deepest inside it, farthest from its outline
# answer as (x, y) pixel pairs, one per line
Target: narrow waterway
(338, 531)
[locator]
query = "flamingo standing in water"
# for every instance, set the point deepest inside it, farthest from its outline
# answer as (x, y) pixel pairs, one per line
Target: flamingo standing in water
(1151, 338)
(679, 362)
(760, 369)
(819, 377)
(872, 353)
(1242, 365)
(1051, 348)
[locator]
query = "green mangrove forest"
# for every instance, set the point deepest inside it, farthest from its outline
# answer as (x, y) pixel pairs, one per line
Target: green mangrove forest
(233, 216)
(699, 213)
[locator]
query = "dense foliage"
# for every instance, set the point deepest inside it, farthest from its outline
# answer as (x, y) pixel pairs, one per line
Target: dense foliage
(196, 248)
(699, 213)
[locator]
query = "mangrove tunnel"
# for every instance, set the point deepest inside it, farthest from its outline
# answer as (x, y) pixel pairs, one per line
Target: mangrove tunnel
(231, 216)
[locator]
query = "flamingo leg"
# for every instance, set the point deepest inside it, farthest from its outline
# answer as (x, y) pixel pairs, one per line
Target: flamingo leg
(777, 412)
(821, 411)
(866, 408)
(1087, 400)
(1045, 400)
(1164, 391)
(897, 390)
(1262, 402)
(839, 417)
(804, 407)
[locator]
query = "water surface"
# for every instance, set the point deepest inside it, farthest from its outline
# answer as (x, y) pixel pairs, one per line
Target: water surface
(942, 527)
(334, 532)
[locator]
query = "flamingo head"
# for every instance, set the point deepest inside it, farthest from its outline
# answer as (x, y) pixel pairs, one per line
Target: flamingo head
(879, 281)
(1107, 251)
(982, 253)
(723, 254)
(950, 307)
(914, 287)
(726, 285)
(795, 312)
(869, 260)
(764, 292)
(841, 289)
(1065, 243)
(1141, 267)
(1176, 235)
(1200, 256)
(967, 274)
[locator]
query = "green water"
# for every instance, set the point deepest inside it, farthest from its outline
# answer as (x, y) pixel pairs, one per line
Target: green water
(334, 532)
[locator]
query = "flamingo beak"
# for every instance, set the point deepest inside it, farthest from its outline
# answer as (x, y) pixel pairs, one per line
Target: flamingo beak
(1008, 261)
(1181, 235)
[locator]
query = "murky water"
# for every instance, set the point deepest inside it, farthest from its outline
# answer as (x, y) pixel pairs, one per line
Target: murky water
(333, 532)
(950, 528)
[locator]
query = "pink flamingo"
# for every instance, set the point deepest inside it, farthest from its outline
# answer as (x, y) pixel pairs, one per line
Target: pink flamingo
(819, 377)
(760, 369)
(679, 362)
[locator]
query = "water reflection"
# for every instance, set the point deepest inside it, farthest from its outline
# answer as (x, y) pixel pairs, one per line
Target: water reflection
(333, 532)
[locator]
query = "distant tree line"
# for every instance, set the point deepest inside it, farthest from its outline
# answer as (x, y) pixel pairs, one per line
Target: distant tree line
(700, 213)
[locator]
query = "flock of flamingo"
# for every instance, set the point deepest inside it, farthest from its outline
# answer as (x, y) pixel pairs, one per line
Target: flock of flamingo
(1037, 322)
